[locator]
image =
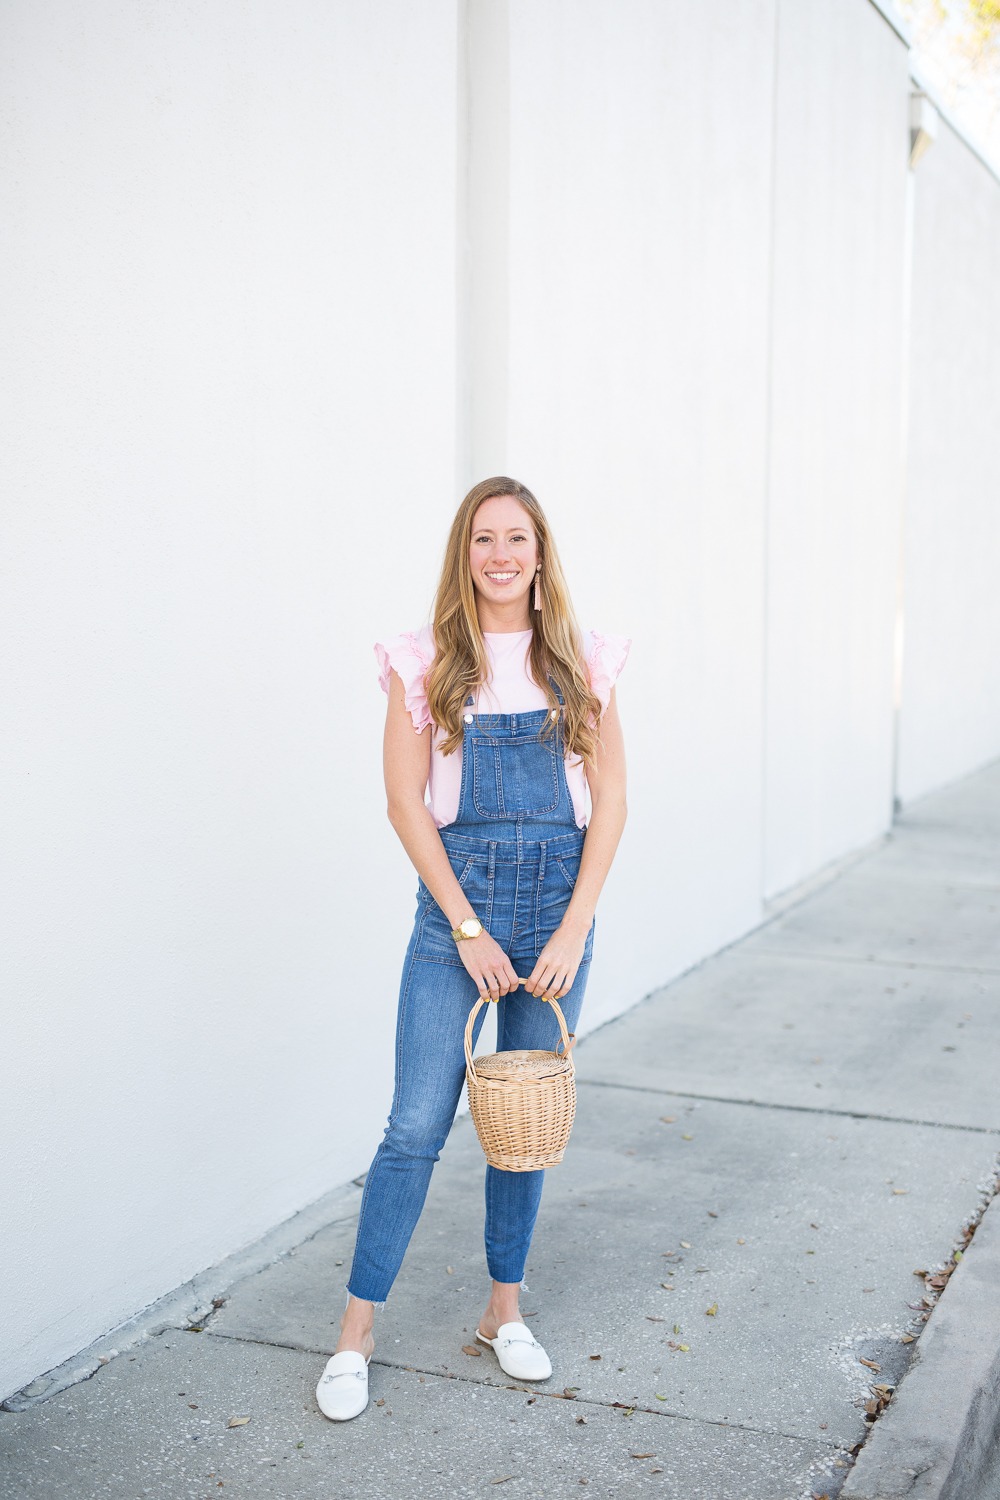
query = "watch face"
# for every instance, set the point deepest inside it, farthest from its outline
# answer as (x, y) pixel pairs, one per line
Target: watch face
(472, 927)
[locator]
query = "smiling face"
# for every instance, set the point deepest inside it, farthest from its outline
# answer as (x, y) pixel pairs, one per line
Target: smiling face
(503, 555)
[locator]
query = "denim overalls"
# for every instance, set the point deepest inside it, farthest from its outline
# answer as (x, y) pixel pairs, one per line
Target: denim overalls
(515, 849)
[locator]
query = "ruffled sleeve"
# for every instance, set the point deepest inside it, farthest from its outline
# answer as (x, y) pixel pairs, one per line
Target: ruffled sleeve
(606, 655)
(410, 656)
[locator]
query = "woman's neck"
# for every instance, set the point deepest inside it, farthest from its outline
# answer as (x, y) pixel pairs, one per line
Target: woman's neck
(503, 619)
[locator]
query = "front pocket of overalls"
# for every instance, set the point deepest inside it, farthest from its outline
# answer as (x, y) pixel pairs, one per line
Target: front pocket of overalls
(461, 875)
(569, 869)
(516, 778)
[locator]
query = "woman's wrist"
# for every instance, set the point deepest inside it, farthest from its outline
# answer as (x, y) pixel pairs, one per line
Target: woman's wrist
(576, 923)
(461, 912)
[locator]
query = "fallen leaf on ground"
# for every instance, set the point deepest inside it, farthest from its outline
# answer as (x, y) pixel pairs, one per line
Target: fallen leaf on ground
(907, 1338)
(662, 1398)
(642, 1455)
(741, 1242)
(685, 1245)
(669, 1119)
(569, 1395)
(667, 1286)
(710, 1312)
(900, 1192)
(238, 1421)
(471, 1349)
(451, 1273)
(653, 1320)
(581, 1421)
(711, 1215)
(920, 1273)
(677, 1328)
(870, 1363)
(380, 1403)
(595, 1356)
(656, 1471)
(684, 1348)
(687, 1137)
(813, 1226)
(503, 1478)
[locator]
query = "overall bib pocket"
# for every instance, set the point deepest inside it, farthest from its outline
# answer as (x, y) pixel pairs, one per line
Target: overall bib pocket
(515, 778)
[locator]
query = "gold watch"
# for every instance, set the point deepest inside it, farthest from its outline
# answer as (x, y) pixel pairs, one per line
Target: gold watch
(470, 928)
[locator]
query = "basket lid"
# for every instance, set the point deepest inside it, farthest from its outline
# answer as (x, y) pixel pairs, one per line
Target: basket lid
(511, 1065)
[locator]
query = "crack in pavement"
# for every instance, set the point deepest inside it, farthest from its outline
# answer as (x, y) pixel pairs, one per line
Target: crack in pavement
(806, 1109)
(527, 1390)
(885, 963)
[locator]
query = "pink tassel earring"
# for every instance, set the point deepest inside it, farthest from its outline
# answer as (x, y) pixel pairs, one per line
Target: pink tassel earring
(538, 587)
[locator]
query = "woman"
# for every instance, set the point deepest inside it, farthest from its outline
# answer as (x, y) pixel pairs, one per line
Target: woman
(515, 717)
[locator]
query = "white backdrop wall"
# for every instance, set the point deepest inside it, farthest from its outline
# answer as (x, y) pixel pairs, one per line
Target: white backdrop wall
(229, 407)
(950, 714)
(638, 360)
(282, 280)
(834, 458)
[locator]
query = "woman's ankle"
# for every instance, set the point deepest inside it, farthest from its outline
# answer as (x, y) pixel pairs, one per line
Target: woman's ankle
(357, 1327)
(503, 1308)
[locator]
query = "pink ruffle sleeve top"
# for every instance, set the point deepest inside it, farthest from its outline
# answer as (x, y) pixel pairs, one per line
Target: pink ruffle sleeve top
(510, 690)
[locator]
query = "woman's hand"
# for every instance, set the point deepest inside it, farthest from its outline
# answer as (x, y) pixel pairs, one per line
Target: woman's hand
(488, 965)
(556, 965)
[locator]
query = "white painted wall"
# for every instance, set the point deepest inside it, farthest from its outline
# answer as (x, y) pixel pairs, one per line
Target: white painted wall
(638, 359)
(229, 270)
(834, 462)
(275, 273)
(950, 718)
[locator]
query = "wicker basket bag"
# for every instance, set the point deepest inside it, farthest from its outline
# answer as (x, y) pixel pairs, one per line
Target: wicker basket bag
(522, 1103)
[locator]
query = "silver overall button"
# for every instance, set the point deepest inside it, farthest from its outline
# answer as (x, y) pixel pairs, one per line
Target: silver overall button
(468, 718)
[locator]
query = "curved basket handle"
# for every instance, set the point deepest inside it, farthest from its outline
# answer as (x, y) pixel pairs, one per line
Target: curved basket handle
(568, 1041)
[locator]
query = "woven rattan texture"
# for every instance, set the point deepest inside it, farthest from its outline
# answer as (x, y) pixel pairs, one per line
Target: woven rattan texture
(522, 1103)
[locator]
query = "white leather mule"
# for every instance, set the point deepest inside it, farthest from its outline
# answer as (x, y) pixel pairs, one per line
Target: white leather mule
(519, 1353)
(342, 1392)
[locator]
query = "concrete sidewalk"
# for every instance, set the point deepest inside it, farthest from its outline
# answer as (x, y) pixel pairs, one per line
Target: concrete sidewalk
(764, 1152)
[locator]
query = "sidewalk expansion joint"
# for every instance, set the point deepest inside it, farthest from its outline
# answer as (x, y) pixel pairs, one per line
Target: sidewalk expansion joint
(804, 1109)
(627, 1407)
(884, 963)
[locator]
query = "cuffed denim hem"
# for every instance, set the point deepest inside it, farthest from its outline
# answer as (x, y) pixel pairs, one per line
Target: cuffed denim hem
(362, 1298)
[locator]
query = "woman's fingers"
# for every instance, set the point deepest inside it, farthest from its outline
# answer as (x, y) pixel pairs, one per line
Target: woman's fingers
(542, 979)
(557, 987)
(566, 983)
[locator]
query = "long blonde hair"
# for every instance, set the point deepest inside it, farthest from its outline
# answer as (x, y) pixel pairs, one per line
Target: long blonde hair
(460, 665)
